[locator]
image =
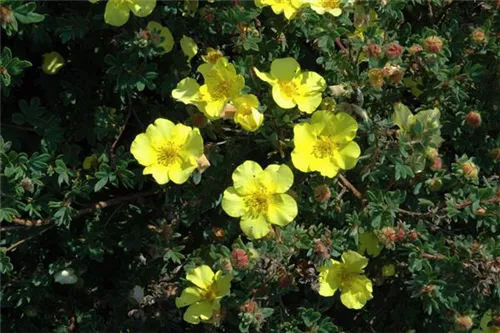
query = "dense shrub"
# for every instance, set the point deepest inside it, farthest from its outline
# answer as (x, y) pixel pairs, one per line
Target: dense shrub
(250, 166)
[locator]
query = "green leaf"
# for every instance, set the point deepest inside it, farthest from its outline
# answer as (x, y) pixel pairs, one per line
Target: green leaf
(402, 116)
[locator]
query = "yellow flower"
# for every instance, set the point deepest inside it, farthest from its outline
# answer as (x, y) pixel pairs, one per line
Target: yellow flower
(163, 36)
(331, 7)
(487, 317)
(189, 47)
(52, 63)
(376, 77)
(212, 56)
(247, 114)
(291, 86)
(289, 7)
(203, 299)
(325, 144)
(368, 242)
(222, 85)
(91, 161)
(258, 197)
(348, 277)
(168, 151)
(117, 12)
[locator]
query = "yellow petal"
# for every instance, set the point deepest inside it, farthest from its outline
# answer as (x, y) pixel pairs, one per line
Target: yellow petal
(194, 144)
(116, 13)
(282, 210)
(308, 103)
(358, 292)
(202, 276)
(266, 77)
(254, 228)
(159, 173)
(300, 160)
(223, 283)
(244, 176)
(281, 98)
(142, 150)
(213, 108)
(198, 311)
(330, 278)
(189, 296)
(284, 69)
(232, 203)
(354, 262)
(166, 128)
(369, 243)
(179, 173)
(52, 63)
(324, 166)
(189, 47)
(276, 178)
(187, 91)
(250, 121)
(347, 156)
(142, 8)
(344, 127)
(167, 42)
(304, 135)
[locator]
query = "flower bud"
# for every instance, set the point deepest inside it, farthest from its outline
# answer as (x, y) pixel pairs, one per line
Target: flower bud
(480, 211)
(320, 249)
(393, 50)
(433, 44)
(473, 119)
(239, 258)
(388, 270)
(387, 235)
(52, 63)
(226, 265)
(469, 170)
(322, 193)
(478, 36)
(376, 77)
(431, 153)
(374, 51)
(413, 235)
(463, 323)
(6, 14)
(400, 235)
(414, 49)
(495, 152)
(428, 289)
(249, 306)
(27, 184)
(218, 232)
(434, 184)
(437, 164)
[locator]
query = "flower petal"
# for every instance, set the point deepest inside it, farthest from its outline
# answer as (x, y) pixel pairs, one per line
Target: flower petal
(354, 262)
(369, 243)
(358, 292)
(276, 178)
(304, 135)
(284, 69)
(308, 103)
(232, 203)
(244, 177)
(283, 100)
(142, 8)
(223, 283)
(324, 166)
(198, 311)
(189, 296)
(194, 143)
(330, 278)
(282, 210)
(159, 173)
(142, 150)
(266, 77)
(202, 276)
(179, 173)
(344, 127)
(347, 156)
(115, 13)
(187, 91)
(254, 228)
(166, 128)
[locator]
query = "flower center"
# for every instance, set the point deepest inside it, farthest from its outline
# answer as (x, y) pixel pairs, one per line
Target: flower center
(288, 88)
(168, 154)
(211, 293)
(325, 147)
(220, 91)
(330, 4)
(257, 203)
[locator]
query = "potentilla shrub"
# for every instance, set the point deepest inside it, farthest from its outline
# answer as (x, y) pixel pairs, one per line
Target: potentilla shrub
(250, 166)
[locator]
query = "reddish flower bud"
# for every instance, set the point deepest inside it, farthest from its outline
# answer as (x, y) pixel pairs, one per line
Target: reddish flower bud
(473, 119)
(427, 289)
(413, 235)
(226, 265)
(218, 232)
(320, 249)
(478, 36)
(437, 164)
(374, 50)
(463, 323)
(495, 152)
(249, 306)
(239, 258)
(322, 193)
(400, 235)
(393, 50)
(480, 211)
(433, 44)
(414, 49)
(470, 170)
(388, 235)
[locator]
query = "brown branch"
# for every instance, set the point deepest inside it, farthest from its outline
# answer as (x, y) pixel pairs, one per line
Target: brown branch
(416, 214)
(85, 211)
(341, 46)
(351, 187)
(13, 246)
(433, 256)
(122, 129)
(466, 203)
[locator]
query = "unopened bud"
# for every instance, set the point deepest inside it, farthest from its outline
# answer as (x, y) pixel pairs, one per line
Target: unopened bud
(374, 51)
(478, 36)
(414, 49)
(469, 170)
(437, 164)
(376, 77)
(473, 119)
(434, 184)
(428, 288)
(400, 235)
(480, 211)
(226, 265)
(239, 258)
(413, 235)
(393, 50)
(249, 306)
(433, 44)
(320, 249)
(322, 193)
(463, 323)
(387, 235)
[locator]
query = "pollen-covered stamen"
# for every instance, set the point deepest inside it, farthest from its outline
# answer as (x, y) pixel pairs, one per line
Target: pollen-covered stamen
(325, 147)
(288, 88)
(220, 91)
(257, 203)
(330, 4)
(168, 154)
(211, 293)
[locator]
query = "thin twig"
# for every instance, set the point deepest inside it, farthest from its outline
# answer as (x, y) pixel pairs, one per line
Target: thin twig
(13, 246)
(351, 187)
(85, 211)
(122, 129)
